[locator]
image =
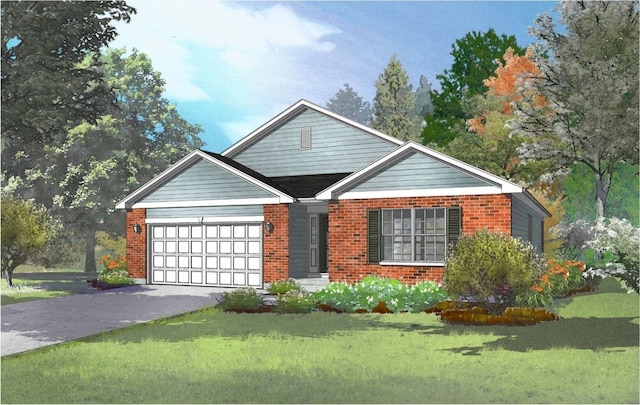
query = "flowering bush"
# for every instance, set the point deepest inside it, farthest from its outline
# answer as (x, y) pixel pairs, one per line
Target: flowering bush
(295, 302)
(378, 294)
(114, 271)
(284, 286)
(622, 239)
(558, 280)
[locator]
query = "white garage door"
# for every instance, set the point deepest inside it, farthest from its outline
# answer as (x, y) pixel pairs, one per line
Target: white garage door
(223, 255)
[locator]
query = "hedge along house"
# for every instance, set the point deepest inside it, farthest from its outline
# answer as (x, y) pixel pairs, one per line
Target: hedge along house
(312, 194)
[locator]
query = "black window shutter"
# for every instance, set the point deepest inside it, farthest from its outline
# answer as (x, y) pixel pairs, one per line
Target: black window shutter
(373, 236)
(454, 230)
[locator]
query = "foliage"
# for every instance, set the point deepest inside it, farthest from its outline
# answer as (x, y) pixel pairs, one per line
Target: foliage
(66, 248)
(622, 239)
(45, 86)
(561, 278)
(553, 204)
(114, 245)
(114, 271)
(26, 229)
(475, 58)
(105, 160)
(368, 294)
(241, 299)
(573, 237)
(394, 105)
(589, 79)
(295, 302)
(491, 269)
(349, 104)
(284, 286)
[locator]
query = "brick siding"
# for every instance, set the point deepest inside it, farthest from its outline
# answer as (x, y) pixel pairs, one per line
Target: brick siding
(348, 233)
(136, 243)
(276, 244)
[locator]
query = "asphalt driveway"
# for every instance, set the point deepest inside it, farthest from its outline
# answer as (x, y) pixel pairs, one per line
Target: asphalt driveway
(31, 325)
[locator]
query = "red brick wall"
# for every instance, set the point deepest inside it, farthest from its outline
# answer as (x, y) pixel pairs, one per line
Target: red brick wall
(348, 232)
(276, 244)
(136, 243)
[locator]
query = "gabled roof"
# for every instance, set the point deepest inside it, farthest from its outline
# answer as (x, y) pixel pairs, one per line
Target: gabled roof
(225, 163)
(286, 115)
(494, 184)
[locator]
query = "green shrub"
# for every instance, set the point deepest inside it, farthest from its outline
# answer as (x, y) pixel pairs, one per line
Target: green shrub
(491, 269)
(295, 302)
(241, 299)
(284, 286)
(369, 293)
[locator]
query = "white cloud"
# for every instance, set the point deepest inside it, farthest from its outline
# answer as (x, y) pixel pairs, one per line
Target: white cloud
(179, 36)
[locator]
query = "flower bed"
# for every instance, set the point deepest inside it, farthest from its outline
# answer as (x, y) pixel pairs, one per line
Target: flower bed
(466, 313)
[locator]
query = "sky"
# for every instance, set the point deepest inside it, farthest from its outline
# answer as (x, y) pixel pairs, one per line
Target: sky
(232, 66)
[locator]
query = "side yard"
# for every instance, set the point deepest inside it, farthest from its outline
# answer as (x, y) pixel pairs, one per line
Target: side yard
(34, 283)
(589, 356)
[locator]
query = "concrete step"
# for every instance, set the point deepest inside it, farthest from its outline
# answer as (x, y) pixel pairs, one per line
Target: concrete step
(313, 283)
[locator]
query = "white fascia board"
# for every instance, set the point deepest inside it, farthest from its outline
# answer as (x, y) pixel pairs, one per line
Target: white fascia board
(205, 220)
(504, 186)
(297, 106)
(436, 192)
(196, 154)
(159, 179)
(209, 203)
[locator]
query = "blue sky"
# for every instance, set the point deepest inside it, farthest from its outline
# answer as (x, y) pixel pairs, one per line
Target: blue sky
(231, 66)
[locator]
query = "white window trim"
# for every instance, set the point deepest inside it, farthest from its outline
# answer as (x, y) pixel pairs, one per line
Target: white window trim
(400, 263)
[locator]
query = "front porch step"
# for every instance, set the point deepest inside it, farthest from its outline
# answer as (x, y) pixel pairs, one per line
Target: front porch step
(313, 283)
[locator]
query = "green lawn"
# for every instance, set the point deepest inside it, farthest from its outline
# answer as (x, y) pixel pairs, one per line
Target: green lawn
(590, 356)
(34, 283)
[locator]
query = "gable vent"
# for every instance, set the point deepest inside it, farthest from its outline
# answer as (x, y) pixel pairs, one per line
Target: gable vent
(305, 138)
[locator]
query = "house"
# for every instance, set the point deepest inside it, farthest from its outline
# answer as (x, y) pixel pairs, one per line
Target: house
(311, 194)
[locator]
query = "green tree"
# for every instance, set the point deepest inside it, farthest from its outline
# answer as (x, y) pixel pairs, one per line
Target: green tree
(394, 106)
(475, 58)
(45, 87)
(97, 164)
(349, 104)
(590, 80)
(25, 229)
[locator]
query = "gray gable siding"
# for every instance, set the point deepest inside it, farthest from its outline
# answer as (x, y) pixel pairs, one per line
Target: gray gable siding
(205, 181)
(196, 212)
(520, 224)
(417, 171)
(335, 148)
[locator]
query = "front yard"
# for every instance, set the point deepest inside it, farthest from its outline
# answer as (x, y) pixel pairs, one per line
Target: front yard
(590, 356)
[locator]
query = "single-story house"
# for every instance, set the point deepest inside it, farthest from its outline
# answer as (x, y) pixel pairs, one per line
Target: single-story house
(311, 193)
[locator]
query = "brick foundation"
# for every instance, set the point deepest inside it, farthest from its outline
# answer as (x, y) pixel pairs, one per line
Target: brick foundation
(276, 244)
(348, 231)
(136, 243)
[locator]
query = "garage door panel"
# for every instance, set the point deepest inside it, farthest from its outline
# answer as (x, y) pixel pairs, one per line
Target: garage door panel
(210, 254)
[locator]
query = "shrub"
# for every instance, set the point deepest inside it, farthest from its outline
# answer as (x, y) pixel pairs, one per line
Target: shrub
(560, 279)
(491, 269)
(284, 286)
(378, 294)
(241, 299)
(295, 302)
(114, 271)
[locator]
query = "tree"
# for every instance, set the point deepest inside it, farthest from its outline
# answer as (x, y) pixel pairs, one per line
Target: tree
(424, 104)
(45, 85)
(25, 229)
(474, 60)
(394, 105)
(97, 164)
(590, 80)
(349, 104)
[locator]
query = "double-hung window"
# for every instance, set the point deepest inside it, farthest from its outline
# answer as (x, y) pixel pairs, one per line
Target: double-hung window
(412, 235)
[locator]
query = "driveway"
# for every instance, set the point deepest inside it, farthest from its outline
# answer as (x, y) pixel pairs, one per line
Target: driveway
(31, 325)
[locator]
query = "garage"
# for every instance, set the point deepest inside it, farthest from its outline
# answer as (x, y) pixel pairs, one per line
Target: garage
(216, 254)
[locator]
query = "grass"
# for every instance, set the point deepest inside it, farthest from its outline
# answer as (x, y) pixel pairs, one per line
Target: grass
(35, 283)
(590, 356)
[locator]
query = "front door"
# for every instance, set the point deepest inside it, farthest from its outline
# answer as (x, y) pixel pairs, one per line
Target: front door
(318, 243)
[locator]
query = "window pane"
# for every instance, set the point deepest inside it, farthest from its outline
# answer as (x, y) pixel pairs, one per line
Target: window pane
(158, 231)
(225, 231)
(440, 221)
(420, 223)
(387, 222)
(212, 231)
(239, 231)
(254, 231)
(183, 232)
(196, 231)
(171, 232)
(387, 251)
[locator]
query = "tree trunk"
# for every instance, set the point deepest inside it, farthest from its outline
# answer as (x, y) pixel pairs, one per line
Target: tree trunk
(90, 254)
(8, 275)
(603, 183)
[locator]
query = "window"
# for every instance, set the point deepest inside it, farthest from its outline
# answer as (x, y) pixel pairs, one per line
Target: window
(418, 235)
